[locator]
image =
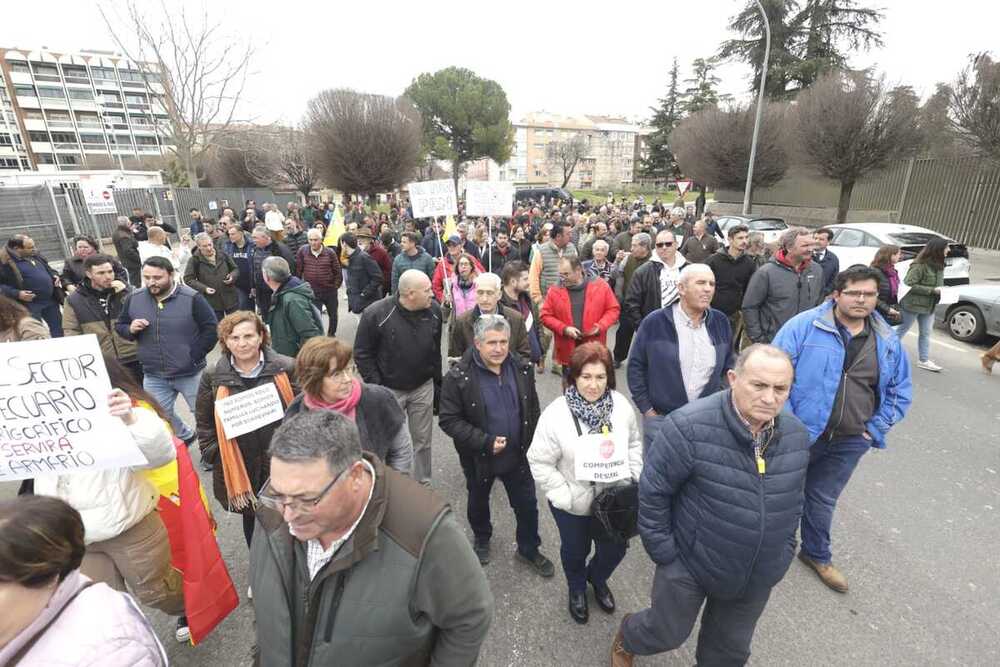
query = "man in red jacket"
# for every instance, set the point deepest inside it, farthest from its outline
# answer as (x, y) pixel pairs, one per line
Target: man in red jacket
(579, 310)
(320, 267)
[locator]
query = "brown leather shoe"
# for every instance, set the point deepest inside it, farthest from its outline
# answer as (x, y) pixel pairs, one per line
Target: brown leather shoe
(619, 656)
(987, 362)
(827, 573)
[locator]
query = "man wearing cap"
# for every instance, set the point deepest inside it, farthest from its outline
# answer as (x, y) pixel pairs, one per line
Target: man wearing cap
(368, 243)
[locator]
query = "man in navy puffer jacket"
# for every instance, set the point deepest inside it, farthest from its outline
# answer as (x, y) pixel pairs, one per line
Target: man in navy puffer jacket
(720, 498)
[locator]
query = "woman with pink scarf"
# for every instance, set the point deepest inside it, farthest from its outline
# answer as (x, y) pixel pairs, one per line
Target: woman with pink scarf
(325, 371)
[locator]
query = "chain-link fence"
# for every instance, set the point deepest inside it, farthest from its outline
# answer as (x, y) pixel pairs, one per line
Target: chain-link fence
(52, 214)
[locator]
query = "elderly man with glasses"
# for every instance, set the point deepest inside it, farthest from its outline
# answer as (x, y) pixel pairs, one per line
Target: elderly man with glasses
(352, 558)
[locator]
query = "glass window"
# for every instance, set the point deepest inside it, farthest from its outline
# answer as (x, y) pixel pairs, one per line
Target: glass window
(69, 159)
(5, 140)
(145, 141)
(64, 137)
(80, 94)
(130, 75)
(36, 135)
(92, 138)
(75, 70)
(26, 91)
(51, 92)
(49, 69)
(136, 99)
(850, 238)
(103, 73)
(33, 114)
(18, 66)
(45, 158)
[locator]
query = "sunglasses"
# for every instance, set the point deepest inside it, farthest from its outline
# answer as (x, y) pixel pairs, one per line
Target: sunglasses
(664, 244)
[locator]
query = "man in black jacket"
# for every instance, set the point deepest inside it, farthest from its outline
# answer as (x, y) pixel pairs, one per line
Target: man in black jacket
(733, 269)
(28, 278)
(720, 498)
(364, 276)
(398, 345)
(265, 247)
(490, 409)
(654, 284)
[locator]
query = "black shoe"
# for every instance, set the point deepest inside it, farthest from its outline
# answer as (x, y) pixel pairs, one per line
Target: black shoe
(182, 634)
(578, 607)
(206, 466)
(190, 440)
(482, 550)
(543, 566)
(603, 596)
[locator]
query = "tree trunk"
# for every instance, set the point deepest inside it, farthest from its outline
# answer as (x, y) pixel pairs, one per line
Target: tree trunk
(456, 172)
(846, 188)
(192, 171)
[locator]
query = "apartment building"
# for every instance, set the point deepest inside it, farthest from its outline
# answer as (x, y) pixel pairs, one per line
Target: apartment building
(85, 110)
(612, 147)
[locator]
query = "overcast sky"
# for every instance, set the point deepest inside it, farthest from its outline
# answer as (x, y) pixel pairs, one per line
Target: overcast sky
(562, 57)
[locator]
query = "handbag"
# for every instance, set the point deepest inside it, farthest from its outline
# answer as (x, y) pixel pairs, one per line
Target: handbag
(614, 512)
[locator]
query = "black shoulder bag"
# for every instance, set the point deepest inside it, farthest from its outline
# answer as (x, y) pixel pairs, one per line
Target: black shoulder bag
(614, 512)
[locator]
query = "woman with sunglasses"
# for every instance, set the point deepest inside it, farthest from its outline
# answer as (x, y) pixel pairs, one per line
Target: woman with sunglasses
(325, 368)
(240, 465)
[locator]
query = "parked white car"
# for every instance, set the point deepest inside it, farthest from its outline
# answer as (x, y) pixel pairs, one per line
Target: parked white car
(857, 243)
(770, 227)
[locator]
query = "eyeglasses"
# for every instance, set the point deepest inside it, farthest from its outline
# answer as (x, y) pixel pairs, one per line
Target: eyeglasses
(297, 504)
(857, 294)
(664, 244)
(345, 373)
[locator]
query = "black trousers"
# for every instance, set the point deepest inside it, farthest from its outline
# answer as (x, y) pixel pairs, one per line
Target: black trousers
(623, 339)
(329, 300)
(727, 626)
(520, 487)
(135, 368)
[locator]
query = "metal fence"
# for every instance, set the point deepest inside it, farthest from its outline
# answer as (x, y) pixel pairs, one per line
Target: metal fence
(52, 214)
(956, 197)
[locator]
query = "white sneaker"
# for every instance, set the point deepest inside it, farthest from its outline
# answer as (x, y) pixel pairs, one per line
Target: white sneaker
(249, 593)
(929, 366)
(183, 633)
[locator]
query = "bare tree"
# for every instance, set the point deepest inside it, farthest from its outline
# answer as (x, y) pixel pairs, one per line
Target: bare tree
(848, 125)
(713, 147)
(975, 106)
(564, 155)
(277, 156)
(362, 143)
(203, 72)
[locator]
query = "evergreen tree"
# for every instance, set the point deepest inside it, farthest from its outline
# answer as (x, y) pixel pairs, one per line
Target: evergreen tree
(659, 163)
(749, 46)
(702, 92)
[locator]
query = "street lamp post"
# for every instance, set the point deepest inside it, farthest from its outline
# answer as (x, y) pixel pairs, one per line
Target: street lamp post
(760, 109)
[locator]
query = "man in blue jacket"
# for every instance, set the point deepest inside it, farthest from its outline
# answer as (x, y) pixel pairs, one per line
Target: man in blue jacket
(719, 502)
(681, 352)
(852, 384)
(175, 328)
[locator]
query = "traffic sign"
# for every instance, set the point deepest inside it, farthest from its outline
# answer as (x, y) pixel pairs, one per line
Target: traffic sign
(100, 200)
(683, 187)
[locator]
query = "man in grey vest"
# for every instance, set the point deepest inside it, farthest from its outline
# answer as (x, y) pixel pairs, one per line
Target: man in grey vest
(544, 272)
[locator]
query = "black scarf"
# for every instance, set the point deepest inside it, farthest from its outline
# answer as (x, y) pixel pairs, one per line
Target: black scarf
(594, 416)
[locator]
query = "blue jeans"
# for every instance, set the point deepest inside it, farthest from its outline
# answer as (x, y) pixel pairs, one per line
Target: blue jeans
(831, 463)
(924, 323)
(245, 300)
(49, 313)
(165, 391)
(574, 535)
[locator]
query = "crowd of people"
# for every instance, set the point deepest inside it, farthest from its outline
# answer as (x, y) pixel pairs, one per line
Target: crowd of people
(757, 378)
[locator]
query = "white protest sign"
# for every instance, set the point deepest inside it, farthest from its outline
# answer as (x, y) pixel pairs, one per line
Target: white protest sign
(433, 198)
(100, 200)
(54, 415)
(601, 457)
(249, 410)
(489, 198)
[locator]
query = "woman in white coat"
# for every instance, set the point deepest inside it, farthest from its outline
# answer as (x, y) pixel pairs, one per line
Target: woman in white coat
(590, 428)
(127, 543)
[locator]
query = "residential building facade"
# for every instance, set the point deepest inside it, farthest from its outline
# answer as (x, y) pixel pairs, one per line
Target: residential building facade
(85, 110)
(612, 147)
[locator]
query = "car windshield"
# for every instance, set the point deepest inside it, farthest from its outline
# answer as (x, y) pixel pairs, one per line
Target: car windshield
(768, 225)
(912, 238)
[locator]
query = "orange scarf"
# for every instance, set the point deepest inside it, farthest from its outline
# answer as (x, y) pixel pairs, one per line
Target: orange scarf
(238, 490)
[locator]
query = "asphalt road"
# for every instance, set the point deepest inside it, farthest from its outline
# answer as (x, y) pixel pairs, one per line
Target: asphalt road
(917, 532)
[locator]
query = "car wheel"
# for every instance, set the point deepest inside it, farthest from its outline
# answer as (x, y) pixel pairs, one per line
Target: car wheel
(966, 323)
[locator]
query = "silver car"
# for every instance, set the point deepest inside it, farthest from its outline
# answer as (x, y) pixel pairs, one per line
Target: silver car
(970, 312)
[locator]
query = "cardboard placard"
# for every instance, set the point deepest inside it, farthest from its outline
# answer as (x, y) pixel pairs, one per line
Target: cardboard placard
(491, 198)
(54, 416)
(430, 199)
(601, 457)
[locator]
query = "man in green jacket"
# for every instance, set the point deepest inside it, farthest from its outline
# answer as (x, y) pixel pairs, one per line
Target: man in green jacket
(354, 563)
(292, 317)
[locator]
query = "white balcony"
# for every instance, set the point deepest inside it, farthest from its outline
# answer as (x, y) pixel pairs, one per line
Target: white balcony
(74, 147)
(41, 147)
(28, 102)
(20, 77)
(34, 124)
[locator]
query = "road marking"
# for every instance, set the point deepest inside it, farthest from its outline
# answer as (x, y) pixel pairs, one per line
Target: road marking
(934, 339)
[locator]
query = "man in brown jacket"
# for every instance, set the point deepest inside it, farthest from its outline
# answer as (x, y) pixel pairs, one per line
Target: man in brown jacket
(488, 293)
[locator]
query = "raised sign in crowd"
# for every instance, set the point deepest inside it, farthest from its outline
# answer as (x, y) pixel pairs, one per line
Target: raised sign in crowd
(758, 377)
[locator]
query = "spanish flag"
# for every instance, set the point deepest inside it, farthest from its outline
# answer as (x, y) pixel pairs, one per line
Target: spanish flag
(336, 227)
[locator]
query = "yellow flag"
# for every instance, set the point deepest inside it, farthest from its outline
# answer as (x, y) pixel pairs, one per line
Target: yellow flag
(450, 227)
(336, 227)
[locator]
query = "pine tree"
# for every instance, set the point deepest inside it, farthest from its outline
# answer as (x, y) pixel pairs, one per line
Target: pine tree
(702, 92)
(659, 163)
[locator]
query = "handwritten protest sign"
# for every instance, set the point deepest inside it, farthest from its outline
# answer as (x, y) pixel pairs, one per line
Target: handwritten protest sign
(54, 415)
(433, 198)
(489, 198)
(249, 410)
(601, 457)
